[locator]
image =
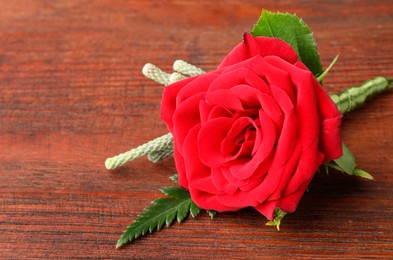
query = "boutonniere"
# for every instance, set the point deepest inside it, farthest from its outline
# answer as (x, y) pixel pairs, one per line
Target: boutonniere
(251, 133)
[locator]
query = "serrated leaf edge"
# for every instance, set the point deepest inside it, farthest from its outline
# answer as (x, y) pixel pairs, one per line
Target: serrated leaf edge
(305, 29)
(180, 211)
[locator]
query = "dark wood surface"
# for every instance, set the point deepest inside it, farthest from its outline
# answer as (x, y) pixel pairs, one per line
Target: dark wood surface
(72, 94)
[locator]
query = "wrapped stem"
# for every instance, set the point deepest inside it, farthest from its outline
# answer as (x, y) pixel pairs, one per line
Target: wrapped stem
(159, 155)
(186, 68)
(354, 97)
(154, 147)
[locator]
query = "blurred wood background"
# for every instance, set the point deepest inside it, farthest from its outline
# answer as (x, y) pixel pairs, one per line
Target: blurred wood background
(72, 94)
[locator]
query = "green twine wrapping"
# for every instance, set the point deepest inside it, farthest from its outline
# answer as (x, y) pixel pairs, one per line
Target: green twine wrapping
(154, 147)
(354, 97)
(187, 68)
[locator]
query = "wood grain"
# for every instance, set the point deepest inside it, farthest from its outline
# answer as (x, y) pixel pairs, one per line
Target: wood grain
(72, 94)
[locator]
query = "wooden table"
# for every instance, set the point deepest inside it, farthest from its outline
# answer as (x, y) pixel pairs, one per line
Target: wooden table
(72, 94)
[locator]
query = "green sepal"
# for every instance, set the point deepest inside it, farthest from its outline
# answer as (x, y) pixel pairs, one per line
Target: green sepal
(278, 216)
(163, 210)
(363, 174)
(347, 163)
(175, 178)
(212, 213)
(326, 71)
(293, 30)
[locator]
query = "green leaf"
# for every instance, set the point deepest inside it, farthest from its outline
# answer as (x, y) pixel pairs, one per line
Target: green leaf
(175, 192)
(347, 161)
(278, 216)
(323, 75)
(293, 30)
(363, 174)
(183, 210)
(163, 210)
(194, 209)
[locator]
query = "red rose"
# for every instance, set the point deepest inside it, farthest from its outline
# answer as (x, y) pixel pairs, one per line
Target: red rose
(254, 131)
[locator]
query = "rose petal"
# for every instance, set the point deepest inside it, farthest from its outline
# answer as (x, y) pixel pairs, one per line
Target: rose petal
(238, 199)
(168, 101)
(209, 201)
(290, 202)
(260, 172)
(306, 107)
(252, 183)
(224, 98)
(198, 174)
(270, 183)
(240, 74)
(221, 183)
(263, 46)
(288, 173)
(267, 209)
(272, 109)
(247, 95)
(330, 139)
(276, 76)
(220, 112)
(308, 164)
(245, 169)
(288, 136)
(189, 110)
(205, 184)
(209, 141)
(204, 111)
(229, 146)
(285, 146)
(231, 179)
(180, 167)
(198, 85)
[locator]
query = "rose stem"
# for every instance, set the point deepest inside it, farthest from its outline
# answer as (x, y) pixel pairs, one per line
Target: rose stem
(162, 143)
(354, 97)
(187, 68)
(154, 73)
